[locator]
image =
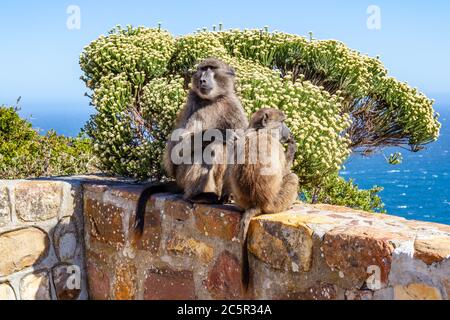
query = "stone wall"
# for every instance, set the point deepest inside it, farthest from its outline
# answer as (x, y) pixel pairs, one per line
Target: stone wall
(71, 239)
(41, 240)
(312, 252)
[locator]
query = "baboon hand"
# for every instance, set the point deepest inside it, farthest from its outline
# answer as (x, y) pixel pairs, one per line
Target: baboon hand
(292, 146)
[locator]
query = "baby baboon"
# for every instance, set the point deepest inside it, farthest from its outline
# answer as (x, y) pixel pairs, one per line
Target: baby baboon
(212, 104)
(263, 183)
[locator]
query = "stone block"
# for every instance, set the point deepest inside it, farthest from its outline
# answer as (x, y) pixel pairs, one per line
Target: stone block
(224, 279)
(283, 243)
(21, 249)
(432, 250)
(353, 250)
(5, 207)
(151, 237)
(67, 280)
(35, 286)
(182, 245)
(168, 284)
(218, 221)
(65, 239)
(38, 200)
(416, 291)
(106, 221)
(127, 192)
(125, 281)
(99, 282)
(6, 292)
(178, 209)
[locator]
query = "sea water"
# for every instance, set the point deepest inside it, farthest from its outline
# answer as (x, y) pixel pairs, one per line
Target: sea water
(419, 188)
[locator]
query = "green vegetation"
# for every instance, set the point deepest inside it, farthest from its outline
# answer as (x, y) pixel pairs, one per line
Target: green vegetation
(24, 153)
(337, 100)
(339, 192)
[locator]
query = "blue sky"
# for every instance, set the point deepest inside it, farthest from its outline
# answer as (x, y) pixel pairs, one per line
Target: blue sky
(39, 55)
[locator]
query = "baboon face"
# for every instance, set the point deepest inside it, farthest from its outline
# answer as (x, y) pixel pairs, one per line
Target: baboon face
(213, 79)
(271, 119)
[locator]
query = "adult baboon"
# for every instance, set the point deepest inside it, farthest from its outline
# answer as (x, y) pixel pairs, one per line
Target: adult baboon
(212, 104)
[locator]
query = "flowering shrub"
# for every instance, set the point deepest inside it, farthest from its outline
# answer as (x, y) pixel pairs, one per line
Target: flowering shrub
(336, 99)
(339, 192)
(24, 153)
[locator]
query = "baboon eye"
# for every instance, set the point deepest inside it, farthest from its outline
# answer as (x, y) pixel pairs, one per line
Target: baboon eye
(204, 68)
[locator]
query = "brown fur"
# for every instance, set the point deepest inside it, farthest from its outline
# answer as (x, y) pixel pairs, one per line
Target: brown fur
(254, 191)
(250, 188)
(218, 109)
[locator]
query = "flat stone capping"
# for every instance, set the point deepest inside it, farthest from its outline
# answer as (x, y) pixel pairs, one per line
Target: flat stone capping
(311, 252)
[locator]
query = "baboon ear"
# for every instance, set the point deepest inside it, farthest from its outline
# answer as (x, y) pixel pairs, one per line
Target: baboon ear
(231, 72)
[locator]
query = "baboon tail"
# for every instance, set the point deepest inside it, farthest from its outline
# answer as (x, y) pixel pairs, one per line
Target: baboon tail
(149, 191)
(245, 224)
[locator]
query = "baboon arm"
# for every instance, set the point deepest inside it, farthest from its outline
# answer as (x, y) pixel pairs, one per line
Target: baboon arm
(236, 119)
(185, 113)
(290, 155)
(169, 167)
(286, 196)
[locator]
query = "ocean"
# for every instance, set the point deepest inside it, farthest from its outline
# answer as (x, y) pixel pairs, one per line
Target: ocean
(418, 189)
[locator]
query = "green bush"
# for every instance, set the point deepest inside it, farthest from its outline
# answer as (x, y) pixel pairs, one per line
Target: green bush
(339, 192)
(24, 153)
(336, 99)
